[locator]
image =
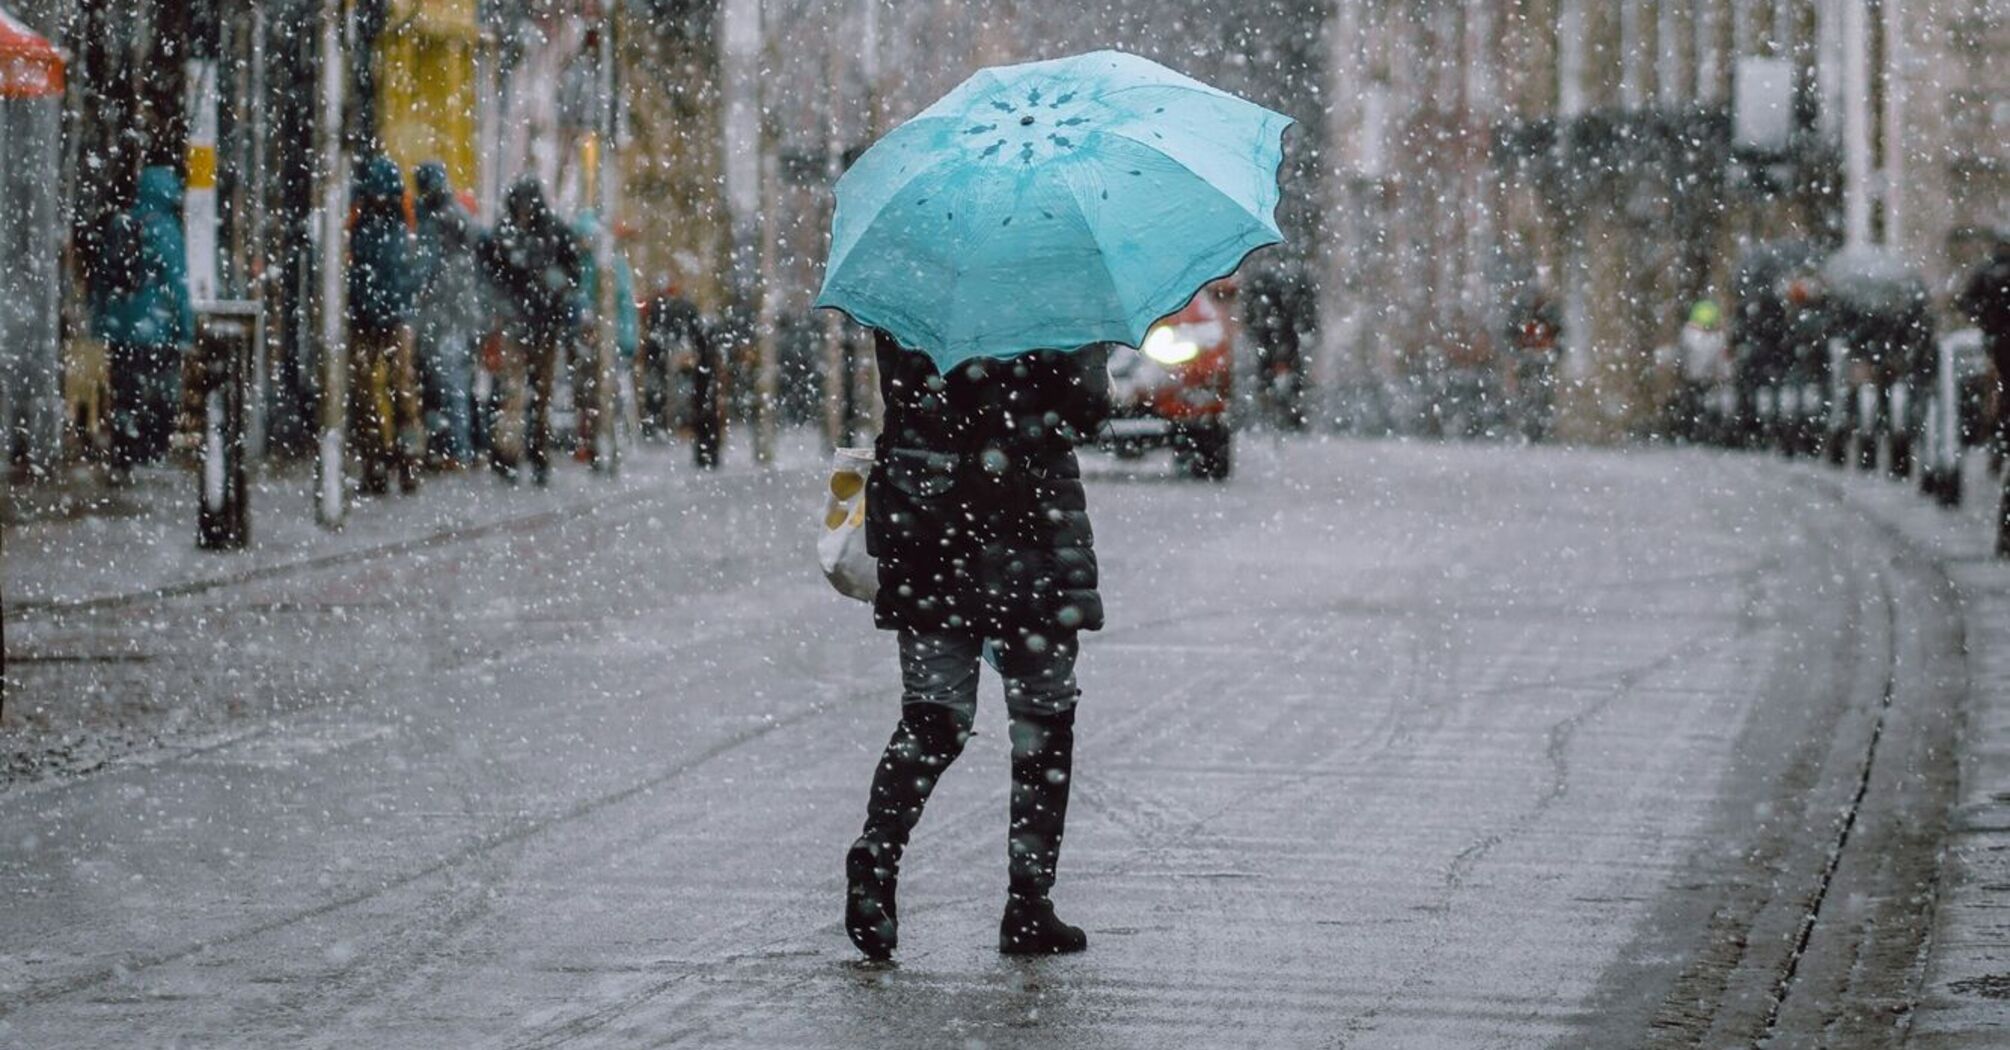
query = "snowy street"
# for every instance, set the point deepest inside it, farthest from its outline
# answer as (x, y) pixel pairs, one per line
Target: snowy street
(1386, 745)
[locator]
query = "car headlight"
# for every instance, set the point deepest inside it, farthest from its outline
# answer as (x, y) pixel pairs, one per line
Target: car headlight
(1168, 346)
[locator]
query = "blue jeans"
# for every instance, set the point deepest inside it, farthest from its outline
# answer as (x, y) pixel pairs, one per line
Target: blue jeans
(941, 668)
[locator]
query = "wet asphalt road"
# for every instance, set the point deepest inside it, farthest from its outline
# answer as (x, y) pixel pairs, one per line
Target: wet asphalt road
(1387, 746)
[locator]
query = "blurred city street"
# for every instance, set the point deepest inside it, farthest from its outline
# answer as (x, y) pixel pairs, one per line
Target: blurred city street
(1530, 483)
(1387, 745)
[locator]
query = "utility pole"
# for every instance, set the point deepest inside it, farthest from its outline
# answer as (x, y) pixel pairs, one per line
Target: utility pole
(1670, 74)
(1632, 92)
(1856, 123)
(1895, 63)
(1482, 110)
(330, 489)
(1570, 29)
(740, 46)
(488, 121)
(1709, 56)
(1571, 103)
(1337, 364)
(768, 374)
(606, 447)
(837, 376)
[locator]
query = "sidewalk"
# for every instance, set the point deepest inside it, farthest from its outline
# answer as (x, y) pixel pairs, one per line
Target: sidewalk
(87, 684)
(78, 545)
(1965, 991)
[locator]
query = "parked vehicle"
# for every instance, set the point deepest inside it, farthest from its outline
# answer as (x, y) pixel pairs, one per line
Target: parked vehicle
(1174, 391)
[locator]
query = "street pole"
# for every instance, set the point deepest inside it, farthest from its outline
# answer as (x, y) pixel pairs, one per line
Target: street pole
(1571, 104)
(836, 375)
(767, 371)
(740, 163)
(1570, 59)
(767, 377)
(331, 496)
(606, 445)
(1632, 93)
(1895, 63)
(1856, 124)
(1333, 367)
(1709, 59)
(1670, 74)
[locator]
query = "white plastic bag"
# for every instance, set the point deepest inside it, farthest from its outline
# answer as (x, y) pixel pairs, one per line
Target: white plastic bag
(841, 549)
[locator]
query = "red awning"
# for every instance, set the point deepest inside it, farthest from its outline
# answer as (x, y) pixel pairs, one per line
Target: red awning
(29, 66)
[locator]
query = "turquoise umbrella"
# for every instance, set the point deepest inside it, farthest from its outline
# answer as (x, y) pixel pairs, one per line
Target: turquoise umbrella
(1052, 205)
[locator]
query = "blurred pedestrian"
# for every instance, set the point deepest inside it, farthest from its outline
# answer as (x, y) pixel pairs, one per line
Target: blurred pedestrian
(1807, 397)
(1535, 334)
(976, 514)
(1279, 308)
(1706, 367)
(140, 309)
(585, 369)
(535, 263)
(1986, 299)
(676, 373)
(450, 314)
(385, 428)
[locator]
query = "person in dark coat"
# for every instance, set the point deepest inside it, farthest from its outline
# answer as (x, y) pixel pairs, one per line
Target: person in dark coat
(1986, 299)
(140, 309)
(976, 513)
(678, 351)
(1535, 341)
(537, 266)
(385, 425)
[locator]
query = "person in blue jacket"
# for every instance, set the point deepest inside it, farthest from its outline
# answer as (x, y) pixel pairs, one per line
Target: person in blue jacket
(138, 294)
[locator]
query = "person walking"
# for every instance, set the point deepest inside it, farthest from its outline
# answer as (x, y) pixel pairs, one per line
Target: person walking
(978, 519)
(535, 263)
(449, 312)
(676, 357)
(584, 367)
(1706, 365)
(384, 418)
(1986, 299)
(140, 310)
(1535, 339)
(975, 513)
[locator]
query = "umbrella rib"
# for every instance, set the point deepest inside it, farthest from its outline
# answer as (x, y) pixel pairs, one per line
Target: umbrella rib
(1268, 222)
(1095, 238)
(838, 259)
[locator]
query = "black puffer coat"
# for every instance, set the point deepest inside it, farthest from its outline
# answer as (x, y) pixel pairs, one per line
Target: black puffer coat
(975, 509)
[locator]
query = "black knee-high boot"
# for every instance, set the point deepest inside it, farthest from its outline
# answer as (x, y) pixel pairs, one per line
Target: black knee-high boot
(927, 740)
(1043, 758)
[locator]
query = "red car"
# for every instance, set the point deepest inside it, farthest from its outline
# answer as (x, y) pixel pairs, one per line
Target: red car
(1174, 390)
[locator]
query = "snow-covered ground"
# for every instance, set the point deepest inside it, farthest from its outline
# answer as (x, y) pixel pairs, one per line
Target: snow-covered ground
(1388, 745)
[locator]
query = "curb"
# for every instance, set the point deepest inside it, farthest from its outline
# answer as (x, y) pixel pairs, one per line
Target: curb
(1964, 992)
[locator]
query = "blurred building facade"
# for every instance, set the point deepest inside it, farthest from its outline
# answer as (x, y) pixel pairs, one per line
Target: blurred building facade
(1452, 157)
(1618, 157)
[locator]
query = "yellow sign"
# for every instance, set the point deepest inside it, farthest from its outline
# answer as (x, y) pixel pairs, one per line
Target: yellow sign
(202, 167)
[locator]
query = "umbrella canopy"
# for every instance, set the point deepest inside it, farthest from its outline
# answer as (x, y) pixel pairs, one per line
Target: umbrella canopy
(1052, 205)
(29, 66)
(1873, 281)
